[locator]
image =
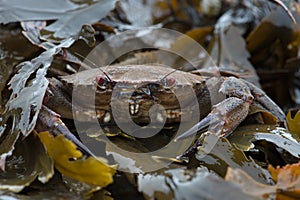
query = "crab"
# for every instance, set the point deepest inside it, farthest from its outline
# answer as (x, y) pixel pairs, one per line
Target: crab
(224, 102)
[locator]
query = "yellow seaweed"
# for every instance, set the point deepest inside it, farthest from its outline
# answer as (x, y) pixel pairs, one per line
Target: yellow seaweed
(70, 161)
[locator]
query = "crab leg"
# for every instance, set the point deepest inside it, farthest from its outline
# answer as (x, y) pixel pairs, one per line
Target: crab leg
(286, 9)
(266, 103)
(50, 121)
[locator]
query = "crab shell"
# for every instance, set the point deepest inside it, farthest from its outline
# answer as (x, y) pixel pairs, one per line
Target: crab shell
(135, 89)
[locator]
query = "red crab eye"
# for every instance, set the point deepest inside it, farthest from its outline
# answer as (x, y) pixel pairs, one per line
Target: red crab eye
(169, 81)
(62, 54)
(100, 79)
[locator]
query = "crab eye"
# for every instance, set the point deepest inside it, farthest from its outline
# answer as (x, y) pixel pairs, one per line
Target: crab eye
(62, 54)
(169, 81)
(100, 79)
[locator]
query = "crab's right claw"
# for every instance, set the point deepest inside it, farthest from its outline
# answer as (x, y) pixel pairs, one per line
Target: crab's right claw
(223, 119)
(50, 121)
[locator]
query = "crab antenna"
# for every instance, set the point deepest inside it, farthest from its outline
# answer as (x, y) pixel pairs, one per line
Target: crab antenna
(168, 74)
(282, 5)
(171, 73)
(82, 63)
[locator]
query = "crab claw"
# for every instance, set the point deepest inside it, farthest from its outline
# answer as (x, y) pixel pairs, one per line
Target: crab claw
(223, 119)
(50, 121)
(200, 126)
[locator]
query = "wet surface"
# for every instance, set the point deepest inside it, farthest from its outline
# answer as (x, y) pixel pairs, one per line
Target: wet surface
(243, 39)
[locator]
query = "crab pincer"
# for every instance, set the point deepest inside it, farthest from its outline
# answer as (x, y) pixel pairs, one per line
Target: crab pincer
(229, 113)
(50, 121)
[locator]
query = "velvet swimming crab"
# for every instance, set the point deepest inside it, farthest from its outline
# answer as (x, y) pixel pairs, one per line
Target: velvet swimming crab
(224, 101)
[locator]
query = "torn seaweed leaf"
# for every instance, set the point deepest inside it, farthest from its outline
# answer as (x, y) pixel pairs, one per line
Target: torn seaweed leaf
(29, 98)
(25, 101)
(69, 16)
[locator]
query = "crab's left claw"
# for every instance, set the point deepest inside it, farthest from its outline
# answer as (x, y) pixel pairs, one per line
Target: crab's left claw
(228, 114)
(223, 119)
(200, 126)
